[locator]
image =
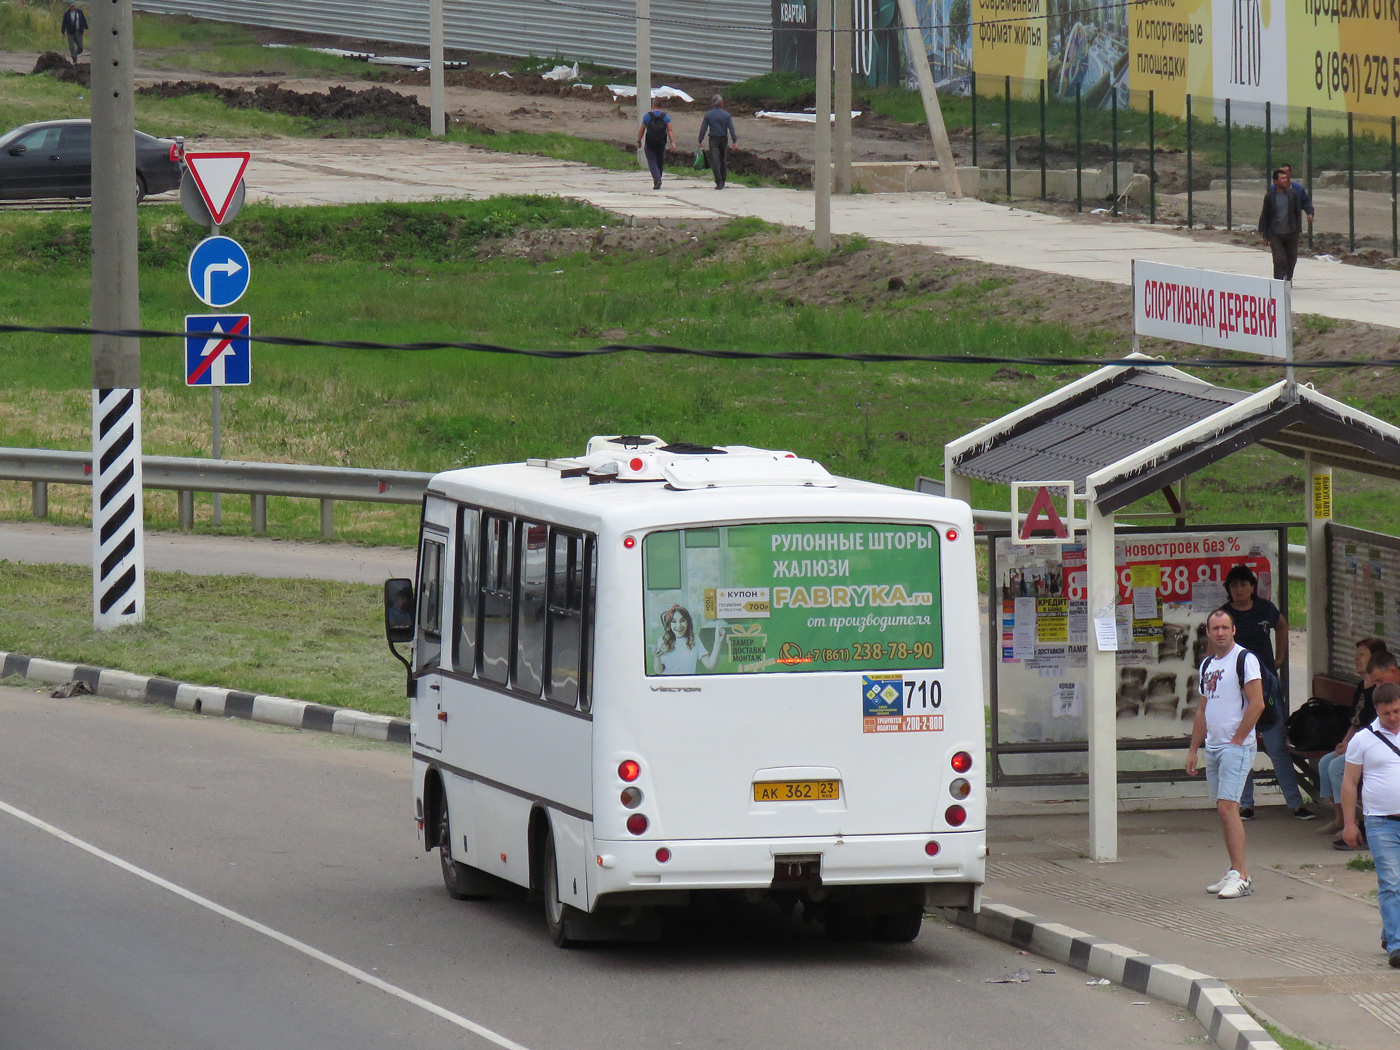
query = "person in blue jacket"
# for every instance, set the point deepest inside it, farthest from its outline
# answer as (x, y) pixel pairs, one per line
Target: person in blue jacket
(720, 127)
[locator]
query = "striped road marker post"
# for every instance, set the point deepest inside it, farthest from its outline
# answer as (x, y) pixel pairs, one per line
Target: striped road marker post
(118, 548)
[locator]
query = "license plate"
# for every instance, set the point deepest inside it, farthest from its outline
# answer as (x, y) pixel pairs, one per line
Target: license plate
(796, 790)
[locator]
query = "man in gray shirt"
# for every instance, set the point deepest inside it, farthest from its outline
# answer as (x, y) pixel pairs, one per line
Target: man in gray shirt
(1280, 223)
(720, 127)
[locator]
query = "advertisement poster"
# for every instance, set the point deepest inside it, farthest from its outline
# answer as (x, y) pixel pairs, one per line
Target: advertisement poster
(793, 597)
(1333, 55)
(1364, 585)
(1167, 585)
(876, 54)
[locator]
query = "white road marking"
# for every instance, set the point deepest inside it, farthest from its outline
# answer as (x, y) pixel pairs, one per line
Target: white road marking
(268, 931)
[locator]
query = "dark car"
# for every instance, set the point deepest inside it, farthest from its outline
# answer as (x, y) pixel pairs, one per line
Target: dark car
(54, 159)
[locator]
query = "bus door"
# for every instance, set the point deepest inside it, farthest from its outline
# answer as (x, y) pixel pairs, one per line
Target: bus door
(428, 715)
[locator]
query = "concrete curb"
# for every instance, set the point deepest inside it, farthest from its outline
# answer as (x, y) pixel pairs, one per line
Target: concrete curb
(208, 700)
(1228, 1023)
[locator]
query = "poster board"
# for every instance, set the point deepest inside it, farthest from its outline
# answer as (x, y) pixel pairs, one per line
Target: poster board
(1168, 582)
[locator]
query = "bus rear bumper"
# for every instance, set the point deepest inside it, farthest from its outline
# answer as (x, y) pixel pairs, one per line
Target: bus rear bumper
(819, 863)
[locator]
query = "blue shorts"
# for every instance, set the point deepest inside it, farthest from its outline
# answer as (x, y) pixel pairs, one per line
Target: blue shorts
(1227, 768)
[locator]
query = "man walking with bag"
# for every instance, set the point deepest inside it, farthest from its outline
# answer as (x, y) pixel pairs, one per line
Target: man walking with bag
(720, 126)
(1375, 752)
(73, 26)
(1233, 700)
(657, 133)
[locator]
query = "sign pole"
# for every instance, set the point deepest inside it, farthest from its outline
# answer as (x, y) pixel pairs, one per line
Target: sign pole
(118, 546)
(437, 79)
(643, 70)
(217, 510)
(821, 174)
(1288, 333)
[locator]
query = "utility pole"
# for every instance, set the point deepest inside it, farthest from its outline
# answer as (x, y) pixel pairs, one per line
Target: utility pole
(437, 74)
(843, 44)
(118, 545)
(938, 131)
(821, 171)
(643, 69)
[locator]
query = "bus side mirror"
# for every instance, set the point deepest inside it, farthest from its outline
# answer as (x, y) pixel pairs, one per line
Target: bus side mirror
(398, 610)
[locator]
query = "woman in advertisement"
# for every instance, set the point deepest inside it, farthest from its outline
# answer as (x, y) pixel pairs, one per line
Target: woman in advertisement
(680, 649)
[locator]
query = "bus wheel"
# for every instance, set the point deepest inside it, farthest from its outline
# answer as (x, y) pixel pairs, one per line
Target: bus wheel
(457, 877)
(555, 910)
(899, 927)
(845, 926)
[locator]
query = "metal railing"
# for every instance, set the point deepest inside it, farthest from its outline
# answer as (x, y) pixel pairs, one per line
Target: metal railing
(186, 476)
(43, 467)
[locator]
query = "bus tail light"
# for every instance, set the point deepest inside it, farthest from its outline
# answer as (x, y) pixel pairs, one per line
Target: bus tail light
(663, 854)
(952, 535)
(629, 770)
(931, 848)
(631, 797)
(962, 762)
(629, 542)
(637, 823)
(960, 788)
(954, 815)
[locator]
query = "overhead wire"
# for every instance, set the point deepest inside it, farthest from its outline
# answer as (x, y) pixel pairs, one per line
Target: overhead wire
(663, 349)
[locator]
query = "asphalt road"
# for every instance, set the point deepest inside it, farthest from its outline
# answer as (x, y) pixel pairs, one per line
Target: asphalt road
(169, 880)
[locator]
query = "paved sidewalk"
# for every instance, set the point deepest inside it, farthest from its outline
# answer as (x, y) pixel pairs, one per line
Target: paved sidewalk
(309, 172)
(1300, 951)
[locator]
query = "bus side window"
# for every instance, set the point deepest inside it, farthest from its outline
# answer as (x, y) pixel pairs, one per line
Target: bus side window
(497, 585)
(566, 571)
(590, 611)
(468, 594)
(429, 648)
(533, 540)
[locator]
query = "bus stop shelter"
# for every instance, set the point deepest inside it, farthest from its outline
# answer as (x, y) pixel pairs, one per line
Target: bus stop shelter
(1124, 432)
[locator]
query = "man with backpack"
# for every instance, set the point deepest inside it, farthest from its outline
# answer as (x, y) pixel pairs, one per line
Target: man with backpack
(1232, 701)
(657, 133)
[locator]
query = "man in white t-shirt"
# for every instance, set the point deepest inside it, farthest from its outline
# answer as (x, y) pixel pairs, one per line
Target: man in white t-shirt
(1375, 751)
(1225, 725)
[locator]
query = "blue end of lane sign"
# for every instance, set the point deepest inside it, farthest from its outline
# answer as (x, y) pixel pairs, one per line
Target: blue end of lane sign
(218, 271)
(218, 360)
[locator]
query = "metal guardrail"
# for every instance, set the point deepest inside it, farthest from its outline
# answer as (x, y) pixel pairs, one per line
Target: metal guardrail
(43, 467)
(186, 476)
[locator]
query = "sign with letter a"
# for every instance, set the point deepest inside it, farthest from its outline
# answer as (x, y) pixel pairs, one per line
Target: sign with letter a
(1043, 521)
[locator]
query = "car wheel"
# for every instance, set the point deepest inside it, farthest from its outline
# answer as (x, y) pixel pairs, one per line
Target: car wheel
(555, 910)
(140, 188)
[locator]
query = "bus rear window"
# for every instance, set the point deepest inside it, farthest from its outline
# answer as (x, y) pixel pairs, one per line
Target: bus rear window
(795, 597)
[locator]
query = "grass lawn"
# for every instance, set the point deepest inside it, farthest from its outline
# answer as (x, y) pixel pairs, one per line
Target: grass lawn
(307, 639)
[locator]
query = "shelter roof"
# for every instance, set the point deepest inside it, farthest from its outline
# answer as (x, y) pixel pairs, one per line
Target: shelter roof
(1125, 431)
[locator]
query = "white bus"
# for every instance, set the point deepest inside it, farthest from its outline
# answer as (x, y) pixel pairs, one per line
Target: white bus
(658, 671)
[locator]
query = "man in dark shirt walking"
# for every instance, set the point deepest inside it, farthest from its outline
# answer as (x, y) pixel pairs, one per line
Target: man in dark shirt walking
(1280, 223)
(73, 26)
(720, 127)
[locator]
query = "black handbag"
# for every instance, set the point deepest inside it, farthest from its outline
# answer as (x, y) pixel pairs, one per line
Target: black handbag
(1319, 725)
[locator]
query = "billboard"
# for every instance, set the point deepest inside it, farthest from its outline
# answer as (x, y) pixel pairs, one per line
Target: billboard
(876, 56)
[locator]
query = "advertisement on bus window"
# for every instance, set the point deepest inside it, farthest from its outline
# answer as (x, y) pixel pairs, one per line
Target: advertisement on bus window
(796, 597)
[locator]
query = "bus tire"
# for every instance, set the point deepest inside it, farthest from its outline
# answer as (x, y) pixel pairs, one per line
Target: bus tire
(463, 882)
(556, 912)
(899, 927)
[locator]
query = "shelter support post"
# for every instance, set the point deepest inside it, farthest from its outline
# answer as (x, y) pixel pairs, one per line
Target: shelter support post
(1101, 703)
(1318, 498)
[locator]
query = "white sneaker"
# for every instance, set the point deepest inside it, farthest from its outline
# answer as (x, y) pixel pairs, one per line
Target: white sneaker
(1235, 886)
(1214, 887)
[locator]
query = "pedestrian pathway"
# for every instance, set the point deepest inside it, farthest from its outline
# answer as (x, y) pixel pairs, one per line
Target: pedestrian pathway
(342, 172)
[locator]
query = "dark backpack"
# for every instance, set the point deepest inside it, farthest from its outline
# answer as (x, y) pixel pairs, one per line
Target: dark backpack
(656, 131)
(1319, 725)
(1268, 681)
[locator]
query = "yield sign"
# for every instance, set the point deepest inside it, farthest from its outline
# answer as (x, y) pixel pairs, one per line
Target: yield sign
(216, 176)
